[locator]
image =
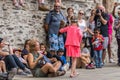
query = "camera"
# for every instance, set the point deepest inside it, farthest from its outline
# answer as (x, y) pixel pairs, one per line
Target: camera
(98, 11)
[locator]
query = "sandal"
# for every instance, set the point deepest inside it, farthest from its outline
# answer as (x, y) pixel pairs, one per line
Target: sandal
(61, 73)
(71, 75)
(76, 74)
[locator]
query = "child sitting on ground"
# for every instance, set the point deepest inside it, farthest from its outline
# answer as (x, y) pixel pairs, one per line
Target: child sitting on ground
(17, 52)
(65, 65)
(84, 60)
(43, 49)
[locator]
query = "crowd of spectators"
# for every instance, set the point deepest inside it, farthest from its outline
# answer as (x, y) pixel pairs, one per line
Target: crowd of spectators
(84, 41)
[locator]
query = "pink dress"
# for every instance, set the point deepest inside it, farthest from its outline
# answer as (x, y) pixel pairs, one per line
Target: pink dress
(73, 40)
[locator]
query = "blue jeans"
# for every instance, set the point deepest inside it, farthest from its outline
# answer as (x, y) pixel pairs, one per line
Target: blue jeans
(91, 48)
(12, 61)
(98, 58)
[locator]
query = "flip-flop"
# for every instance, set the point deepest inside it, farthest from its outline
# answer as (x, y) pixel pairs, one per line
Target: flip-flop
(61, 73)
(71, 75)
(76, 74)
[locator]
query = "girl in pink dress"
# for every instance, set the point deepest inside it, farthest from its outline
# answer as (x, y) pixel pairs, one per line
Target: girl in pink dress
(72, 44)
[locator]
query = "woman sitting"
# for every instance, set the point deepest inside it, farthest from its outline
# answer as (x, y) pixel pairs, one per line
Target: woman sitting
(34, 59)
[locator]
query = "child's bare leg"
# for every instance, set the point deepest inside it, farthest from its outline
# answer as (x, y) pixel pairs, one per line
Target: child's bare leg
(74, 60)
(21, 2)
(57, 65)
(15, 3)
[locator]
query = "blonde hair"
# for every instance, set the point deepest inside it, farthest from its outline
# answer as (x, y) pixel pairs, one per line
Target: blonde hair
(32, 45)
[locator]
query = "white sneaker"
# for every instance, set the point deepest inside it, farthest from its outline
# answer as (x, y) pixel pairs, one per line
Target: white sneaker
(66, 67)
(111, 61)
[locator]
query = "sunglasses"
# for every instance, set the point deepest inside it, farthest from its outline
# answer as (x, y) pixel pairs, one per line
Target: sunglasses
(81, 13)
(56, 6)
(95, 32)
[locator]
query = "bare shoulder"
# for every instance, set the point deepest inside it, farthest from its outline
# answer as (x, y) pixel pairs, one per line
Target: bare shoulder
(30, 55)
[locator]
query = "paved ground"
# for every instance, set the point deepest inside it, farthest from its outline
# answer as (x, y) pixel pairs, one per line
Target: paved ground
(108, 72)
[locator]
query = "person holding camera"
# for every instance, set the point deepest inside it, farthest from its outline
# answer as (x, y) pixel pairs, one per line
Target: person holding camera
(117, 30)
(101, 19)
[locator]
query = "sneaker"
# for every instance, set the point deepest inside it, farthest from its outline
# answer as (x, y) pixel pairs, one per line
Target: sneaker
(111, 61)
(27, 71)
(43, 7)
(90, 66)
(22, 73)
(11, 74)
(66, 67)
(3, 75)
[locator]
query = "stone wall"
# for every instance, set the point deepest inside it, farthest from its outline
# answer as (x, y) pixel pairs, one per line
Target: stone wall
(26, 23)
(17, 25)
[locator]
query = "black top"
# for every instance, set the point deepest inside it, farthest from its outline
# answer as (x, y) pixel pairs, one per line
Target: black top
(54, 56)
(99, 24)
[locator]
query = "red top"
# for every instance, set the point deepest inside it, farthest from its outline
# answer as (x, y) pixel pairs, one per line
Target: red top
(98, 40)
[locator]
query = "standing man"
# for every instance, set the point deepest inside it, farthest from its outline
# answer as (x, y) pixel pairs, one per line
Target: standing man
(117, 30)
(54, 21)
(101, 19)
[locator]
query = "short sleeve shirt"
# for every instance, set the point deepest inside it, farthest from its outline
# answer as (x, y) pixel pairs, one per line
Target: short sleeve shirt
(99, 24)
(53, 19)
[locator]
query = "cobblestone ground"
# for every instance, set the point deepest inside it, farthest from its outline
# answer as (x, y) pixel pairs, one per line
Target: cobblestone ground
(109, 72)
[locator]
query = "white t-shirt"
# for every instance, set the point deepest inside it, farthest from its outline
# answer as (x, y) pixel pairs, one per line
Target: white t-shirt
(83, 26)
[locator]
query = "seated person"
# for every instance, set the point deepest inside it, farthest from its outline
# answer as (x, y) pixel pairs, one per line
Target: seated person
(43, 49)
(25, 50)
(65, 65)
(34, 59)
(84, 61)
(11, 60)
(54, 57)
(17, 52)
(85, 57)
